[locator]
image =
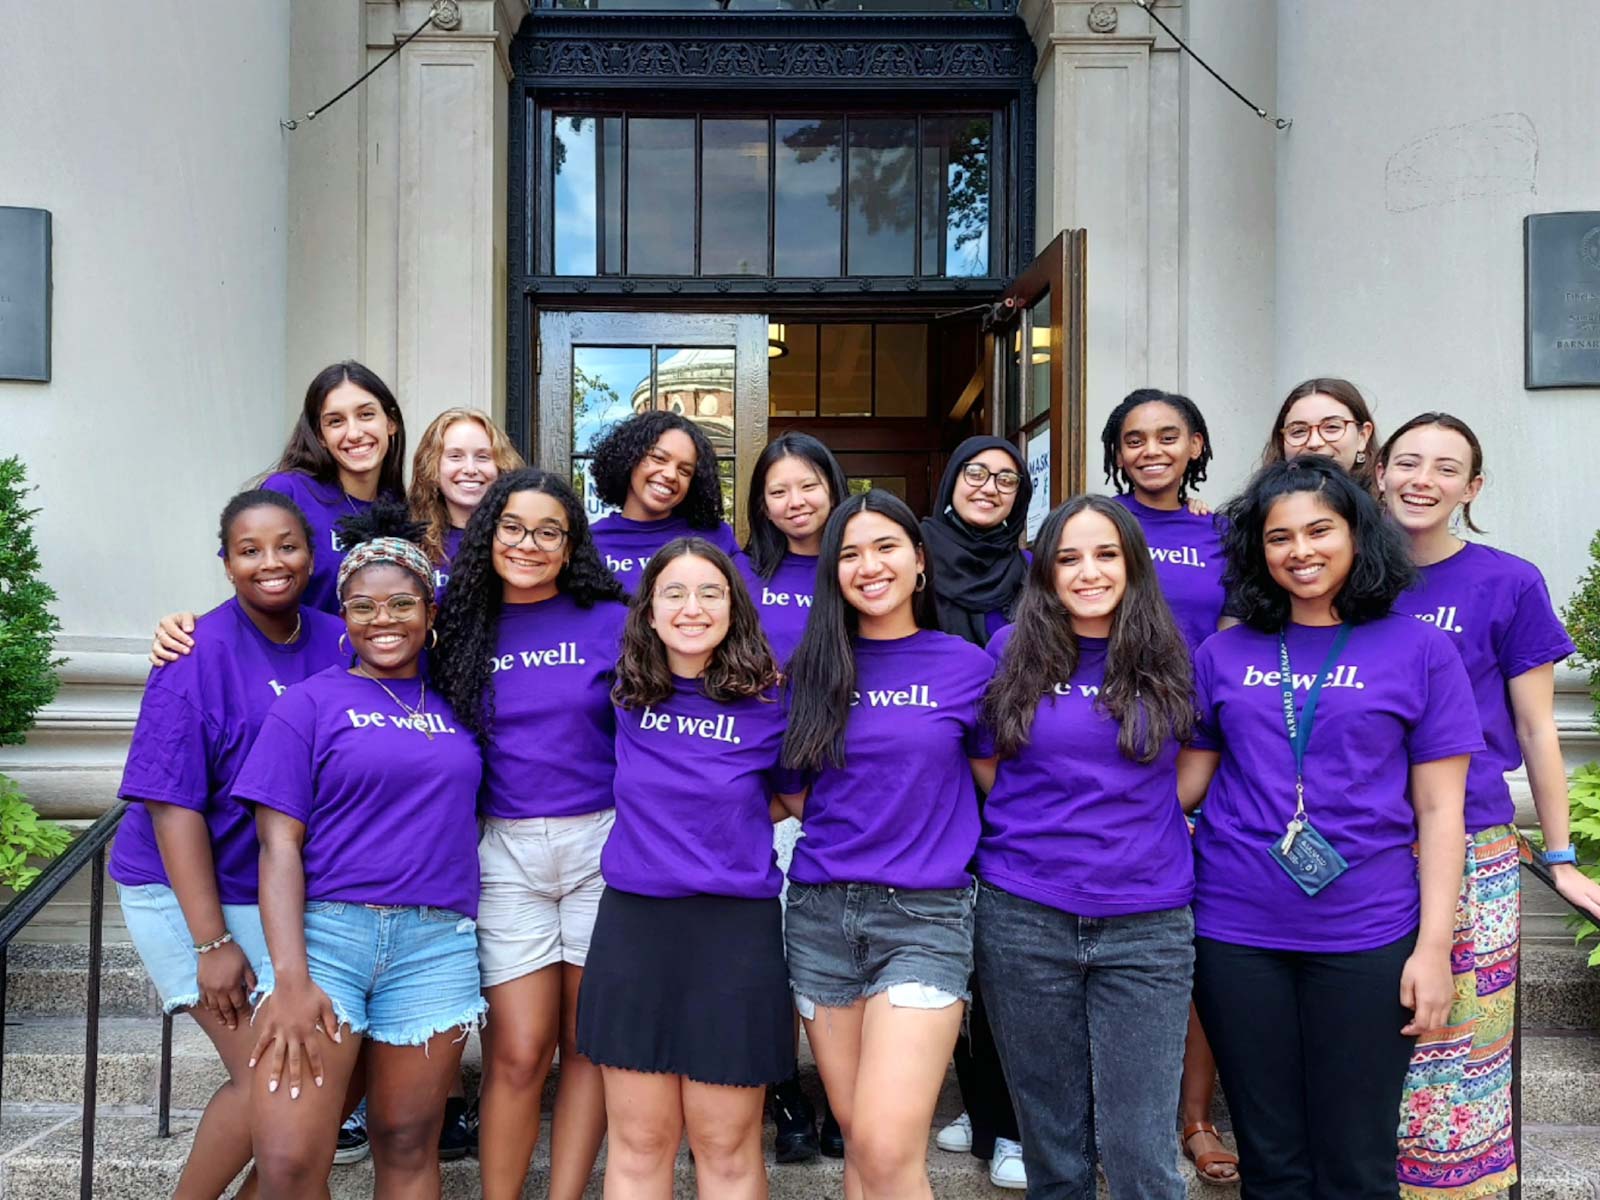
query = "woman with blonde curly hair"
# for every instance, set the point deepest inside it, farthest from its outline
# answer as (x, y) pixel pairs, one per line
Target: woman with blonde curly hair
(461, 453)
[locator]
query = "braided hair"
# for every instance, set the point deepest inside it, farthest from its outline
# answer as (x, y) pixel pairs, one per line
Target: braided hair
(1194, 472)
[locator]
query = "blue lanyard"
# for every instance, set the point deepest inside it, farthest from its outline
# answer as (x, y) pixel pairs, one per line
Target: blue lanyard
(1299, 727)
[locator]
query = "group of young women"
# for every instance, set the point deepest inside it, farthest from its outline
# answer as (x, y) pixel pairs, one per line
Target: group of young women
(528, 783)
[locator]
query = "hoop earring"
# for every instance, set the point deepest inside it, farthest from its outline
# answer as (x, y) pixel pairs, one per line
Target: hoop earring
(922, 580)
(343, 649)
(435, 641)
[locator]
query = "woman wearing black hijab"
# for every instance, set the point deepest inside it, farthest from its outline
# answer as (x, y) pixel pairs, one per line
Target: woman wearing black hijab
(975, 538)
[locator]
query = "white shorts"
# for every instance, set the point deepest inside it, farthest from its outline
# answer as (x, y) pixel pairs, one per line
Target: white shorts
(541, 887)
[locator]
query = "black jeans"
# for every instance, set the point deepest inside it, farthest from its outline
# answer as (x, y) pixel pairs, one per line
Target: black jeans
(982, 1080)
(1091, 1015)
(1313, 1062)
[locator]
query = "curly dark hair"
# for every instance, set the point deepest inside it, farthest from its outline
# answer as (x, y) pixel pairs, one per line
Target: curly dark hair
(1194, 472)
(1149, 682)
(469, 619)
(618, 451)
(741, 666)
(386, 518)
(1454, 424)
(261, 498)
(1382, 567)
(767, 544)
(822, 670)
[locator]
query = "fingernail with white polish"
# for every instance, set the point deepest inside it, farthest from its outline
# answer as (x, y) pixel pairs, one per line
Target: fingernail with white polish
(294, 1093)
(273, 1086)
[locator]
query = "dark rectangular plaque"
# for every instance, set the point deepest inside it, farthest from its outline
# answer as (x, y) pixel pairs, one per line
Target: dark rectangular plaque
(1562, 288)
(25, 294)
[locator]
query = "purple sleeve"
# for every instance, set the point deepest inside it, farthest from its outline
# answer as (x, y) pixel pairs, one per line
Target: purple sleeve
(722, 538)
(169, 757)
(1207, 732)
(1448, 722)
(278, 772)
(1534, 636)
(979, 740)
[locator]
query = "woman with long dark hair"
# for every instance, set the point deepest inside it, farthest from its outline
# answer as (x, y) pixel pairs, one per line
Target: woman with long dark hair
(185, 858)
(1327, 417)
(1456, 1137)
(346, 450)
(685, 1003)
(527, 640)
(884, 715)
(364, 784)
(1084, 939)
(659, 471)
(974, 537)
(1331, 753)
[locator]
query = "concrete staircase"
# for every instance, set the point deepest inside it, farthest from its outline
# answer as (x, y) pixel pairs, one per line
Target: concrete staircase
(40, 1131)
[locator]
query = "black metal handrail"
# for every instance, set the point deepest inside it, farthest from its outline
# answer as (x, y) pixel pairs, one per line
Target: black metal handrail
(88, 849)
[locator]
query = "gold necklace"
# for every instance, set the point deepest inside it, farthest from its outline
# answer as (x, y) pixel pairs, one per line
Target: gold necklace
(290, 640)
(418, 715)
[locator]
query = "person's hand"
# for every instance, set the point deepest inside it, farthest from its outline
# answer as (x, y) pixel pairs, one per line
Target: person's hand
(172, 640)
(1577, 889)
(1428, 989)
(1199, 507)
(294, 1020)
(226, 982)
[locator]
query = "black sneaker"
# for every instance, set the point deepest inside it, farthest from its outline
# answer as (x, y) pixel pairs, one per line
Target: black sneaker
(796, 1121)
(832, 1141)
(352, 1144)
(453, 1139)
(472, 1129)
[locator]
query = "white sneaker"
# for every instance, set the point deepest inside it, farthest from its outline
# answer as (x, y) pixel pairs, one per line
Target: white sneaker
(956, 1137)
(1005, 1168)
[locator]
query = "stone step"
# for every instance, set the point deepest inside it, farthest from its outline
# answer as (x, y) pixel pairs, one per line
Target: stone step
(39, 1155)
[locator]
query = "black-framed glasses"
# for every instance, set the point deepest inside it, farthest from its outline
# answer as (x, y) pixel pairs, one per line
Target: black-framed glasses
(710, 595)
(511, 533)
(402, 606)
(1329, 429)
(1005, 479)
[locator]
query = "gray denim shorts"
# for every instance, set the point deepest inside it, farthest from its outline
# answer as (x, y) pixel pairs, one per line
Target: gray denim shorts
(847, 941)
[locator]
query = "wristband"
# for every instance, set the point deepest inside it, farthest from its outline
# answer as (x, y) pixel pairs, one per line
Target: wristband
(207, 947)
(1556, 857)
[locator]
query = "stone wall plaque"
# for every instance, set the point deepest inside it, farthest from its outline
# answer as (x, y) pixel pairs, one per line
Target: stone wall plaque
(25, 294)
(1562, 289)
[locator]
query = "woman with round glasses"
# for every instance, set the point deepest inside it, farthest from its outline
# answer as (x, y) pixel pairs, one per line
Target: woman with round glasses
(364, 783)
(685, 1004)
(1329, 417)
(975, 540)
(526, 648)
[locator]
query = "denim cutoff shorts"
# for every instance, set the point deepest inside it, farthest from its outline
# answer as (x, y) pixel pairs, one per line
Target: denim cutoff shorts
(162, 938)
(848, 941)
(397, 975)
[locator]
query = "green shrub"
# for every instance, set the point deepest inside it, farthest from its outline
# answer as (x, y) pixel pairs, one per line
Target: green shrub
(1582, 617)
(27, 673)
(1585, 793)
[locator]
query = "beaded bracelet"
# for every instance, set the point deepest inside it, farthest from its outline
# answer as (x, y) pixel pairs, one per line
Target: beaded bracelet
(212, 945)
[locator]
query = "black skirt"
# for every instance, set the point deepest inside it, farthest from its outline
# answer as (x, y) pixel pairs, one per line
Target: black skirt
(695, 986)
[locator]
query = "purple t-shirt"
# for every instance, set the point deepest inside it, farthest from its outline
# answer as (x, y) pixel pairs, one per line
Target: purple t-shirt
(1497, 611)
(324, 504)
(197, 722)
(626, 546)
(784, 601)
(1398, 696)
(1074, 825)
(1186, 552)
(550, 744)
(694, 781)
(903, 810)
(441, 569)
(390, 815)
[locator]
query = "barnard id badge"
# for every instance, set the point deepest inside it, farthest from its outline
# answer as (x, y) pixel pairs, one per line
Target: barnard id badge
(1308, 857)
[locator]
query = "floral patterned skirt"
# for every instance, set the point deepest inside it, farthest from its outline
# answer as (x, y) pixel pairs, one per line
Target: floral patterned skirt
(1455, 1114)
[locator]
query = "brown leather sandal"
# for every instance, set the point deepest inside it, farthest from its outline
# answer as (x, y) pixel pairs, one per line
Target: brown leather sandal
(1216, 1158)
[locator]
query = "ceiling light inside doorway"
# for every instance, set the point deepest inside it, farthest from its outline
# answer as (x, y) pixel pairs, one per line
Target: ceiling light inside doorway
(776, 346)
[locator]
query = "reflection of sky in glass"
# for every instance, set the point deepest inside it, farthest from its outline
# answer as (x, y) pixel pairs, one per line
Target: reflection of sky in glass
(807, 225)
(972, 256)
(603, 382)
(575, 201)
(883, 198)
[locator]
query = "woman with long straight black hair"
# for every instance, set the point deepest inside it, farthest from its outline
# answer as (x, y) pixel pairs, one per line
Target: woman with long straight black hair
(884, 716)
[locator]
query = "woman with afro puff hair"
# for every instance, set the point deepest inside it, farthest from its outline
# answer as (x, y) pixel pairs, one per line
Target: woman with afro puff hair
(659, 470)
(530, 631)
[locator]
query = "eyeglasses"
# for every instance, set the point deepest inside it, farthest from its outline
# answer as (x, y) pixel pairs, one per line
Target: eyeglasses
(977, 475)
(1329, 429)
(511, 534)
(402, 606)
(710, 595)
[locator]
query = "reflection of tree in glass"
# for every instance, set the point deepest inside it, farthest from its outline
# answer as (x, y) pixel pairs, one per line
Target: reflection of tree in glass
(591, 396)
(810, 142)
(558, 148)
(968, 197)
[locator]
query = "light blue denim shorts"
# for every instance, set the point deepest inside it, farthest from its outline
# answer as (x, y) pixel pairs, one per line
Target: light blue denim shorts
(397, 975)
(162, 938)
